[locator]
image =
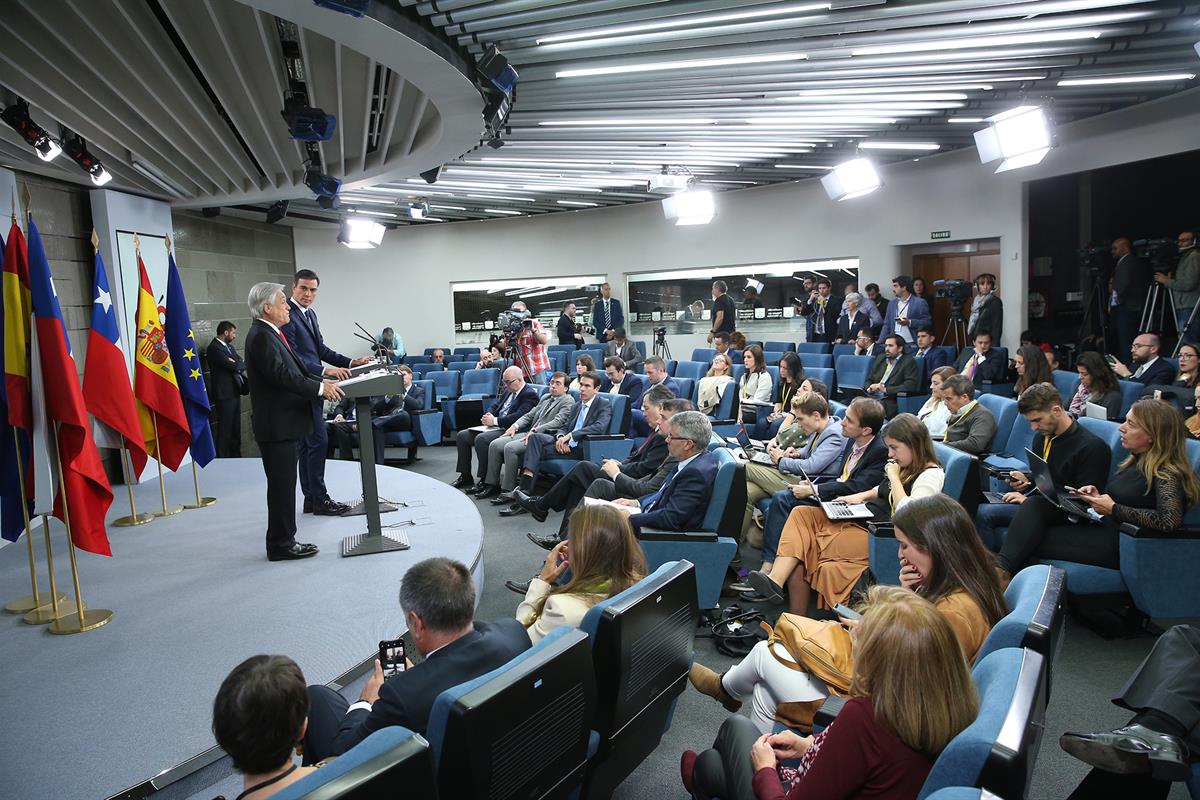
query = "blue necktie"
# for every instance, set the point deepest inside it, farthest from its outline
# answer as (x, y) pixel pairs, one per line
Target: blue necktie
(654, 498)
(578, 424)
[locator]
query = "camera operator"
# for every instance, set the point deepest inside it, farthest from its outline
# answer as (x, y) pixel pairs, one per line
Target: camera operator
(1185, 285)
(532, 355)
(567, 332)
(1130, 282)
(987, 310)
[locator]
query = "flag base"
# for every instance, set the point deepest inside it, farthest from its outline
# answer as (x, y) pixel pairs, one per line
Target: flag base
(23, 605)
(168, 511)
(46, 614)
(133, 519)
(71, 623)
(203, 502)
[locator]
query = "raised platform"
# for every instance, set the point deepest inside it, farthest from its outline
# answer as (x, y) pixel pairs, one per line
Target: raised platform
(90, 715)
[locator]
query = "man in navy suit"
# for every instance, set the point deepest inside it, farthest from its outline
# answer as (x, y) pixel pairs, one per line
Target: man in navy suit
(906, 312)
(514, 401)
(592, 416)
(438, 598)
(982, 363)
(928, 354)
(606, 315)
(682, 501)
(620, 380)
(1148, 368)
(393, 412)
(303, 333)
(656, 375)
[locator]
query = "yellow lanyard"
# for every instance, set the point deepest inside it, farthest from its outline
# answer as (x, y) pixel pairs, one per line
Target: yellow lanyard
(1046, 448)
(968, 409)
(850, 462)
(901, 310)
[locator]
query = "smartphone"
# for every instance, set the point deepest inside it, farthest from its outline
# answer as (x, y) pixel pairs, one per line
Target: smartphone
(845, 612)
(1072, 490)
(391, 656)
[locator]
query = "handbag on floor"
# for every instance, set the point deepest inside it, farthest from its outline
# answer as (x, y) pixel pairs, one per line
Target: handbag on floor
(822, 648)
(734, 632)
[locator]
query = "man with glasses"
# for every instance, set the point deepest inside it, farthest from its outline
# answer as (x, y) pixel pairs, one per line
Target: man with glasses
(682, 501)
(1185, 286)
(1149, 369)
(865, 344)
(514, 400)
(506, 451)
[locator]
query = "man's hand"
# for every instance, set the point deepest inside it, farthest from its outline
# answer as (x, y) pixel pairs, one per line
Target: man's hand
(1120, 368)
(331, 391)
(337, 373)
(762, 755)
(1014, 497)
(1161, 277)
(625, 501)
(339, 418)
(875, 388)
(488, 419)
(358, 362)
(1018, 480)
(802, 490)
(611, 467)
(562, 444)
(370, 692)
(775, 453)
(511, 430)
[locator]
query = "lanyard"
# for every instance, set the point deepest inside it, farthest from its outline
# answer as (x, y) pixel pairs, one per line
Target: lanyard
(901, 310)
(850, 462)
(969, 408)
(1046, 448)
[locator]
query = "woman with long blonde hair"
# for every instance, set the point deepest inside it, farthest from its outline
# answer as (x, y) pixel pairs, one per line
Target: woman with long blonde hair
(604, 557)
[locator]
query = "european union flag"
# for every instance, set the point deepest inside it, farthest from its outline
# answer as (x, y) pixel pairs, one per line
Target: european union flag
(185, 357)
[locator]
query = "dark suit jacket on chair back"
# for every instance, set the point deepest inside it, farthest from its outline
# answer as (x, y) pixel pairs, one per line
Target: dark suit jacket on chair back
(282, 390)
(304, 333)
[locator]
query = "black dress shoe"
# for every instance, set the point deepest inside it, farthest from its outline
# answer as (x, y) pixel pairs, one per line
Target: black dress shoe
(488, 492)
(297, 550)
(513, 511)
(475, 489)
(766, 587)
(1131, 750)
(519, 588)
(547, 542)
(329, 508)
(464, 482)
(503, 499)
(531, 505)
(308, 506)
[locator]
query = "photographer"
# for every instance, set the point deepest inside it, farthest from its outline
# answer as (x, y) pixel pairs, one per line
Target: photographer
(987, 310)
(1185, 285)
(568, 333)
(530, 342)
(823, 311)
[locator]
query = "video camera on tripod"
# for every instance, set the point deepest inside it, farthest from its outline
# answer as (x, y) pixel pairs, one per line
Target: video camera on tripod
(1096, 258)
(1161, 254)
(958, 292)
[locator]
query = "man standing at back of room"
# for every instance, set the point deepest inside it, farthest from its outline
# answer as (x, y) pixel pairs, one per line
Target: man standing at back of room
(724, 315)
(1130, 284)
(606, 314)
(303, 333)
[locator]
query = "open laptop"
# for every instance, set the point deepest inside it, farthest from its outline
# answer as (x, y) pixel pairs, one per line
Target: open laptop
(846, 510)
(752, 451)
(1095, 411)
(1046, 488)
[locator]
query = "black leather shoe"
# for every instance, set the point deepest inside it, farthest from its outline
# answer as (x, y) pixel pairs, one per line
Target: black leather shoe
(519, 588)
(297, 550)
(548, 542)
(766, 587)
(464, 482)
(513, 511)
(531, 505)
(476, 488)
(308, 506)
(503, 499)
(488, 492)
(329, 508)
(1131, 750)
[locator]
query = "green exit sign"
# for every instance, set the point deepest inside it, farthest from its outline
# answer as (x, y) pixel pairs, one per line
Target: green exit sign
(939, 235)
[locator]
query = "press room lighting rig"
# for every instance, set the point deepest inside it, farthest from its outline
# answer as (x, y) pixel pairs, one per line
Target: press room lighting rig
(851, 179)
(360, 233)
(690, 207)
(499, 82)
(325, 187)
(76, 148)
(1020, 137)
(45, 145)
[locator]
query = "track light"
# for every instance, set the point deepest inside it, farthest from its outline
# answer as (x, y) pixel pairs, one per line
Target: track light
(419, 209)
(495, 67)
(325, 187)
(76, 148)
(307, 124)
(360, 233)
(432, 175)
(17, 116)
(852, 179)
(693, 207)
(1020, 136)
(277, 211)
(495, 142)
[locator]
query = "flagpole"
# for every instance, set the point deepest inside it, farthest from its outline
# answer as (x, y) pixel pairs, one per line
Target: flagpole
(201, 502)
(134, 518)
(82, 620)
(162, 486)
(24, 605)
(43, 615)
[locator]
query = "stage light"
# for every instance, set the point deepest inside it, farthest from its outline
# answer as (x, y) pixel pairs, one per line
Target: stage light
(359, 233)
(45, 145)
(277, 211)
(693, 207)
(432, 175)
(1020, 136)
(495, 142)
(325, 187)
(419, 209)
(76, 148)
(852, 179)
(495, 67)
(308, 124)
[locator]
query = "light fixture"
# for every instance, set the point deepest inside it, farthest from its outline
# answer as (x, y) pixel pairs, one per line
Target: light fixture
(976, 42)
(431, 175)
(1020, 136)
(45, 145)
(965, 119)
(360, 233)
(1112, 80)
(325, 187)
(656, 121)
(277, 211)
(305, 123)
(579, 203)
(495, 67)
(419, 209)
(693, 207)
(881, 144)
(813, 167)
(501, 211)
(691, 21)
(852, 179)
(694, 63)
(76, 148)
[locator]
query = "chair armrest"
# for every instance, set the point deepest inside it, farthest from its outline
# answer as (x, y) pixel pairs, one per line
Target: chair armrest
(656, 535)
(601, 437)
(882, 529)
(712, 421)
(828, 711)
(1138, 532)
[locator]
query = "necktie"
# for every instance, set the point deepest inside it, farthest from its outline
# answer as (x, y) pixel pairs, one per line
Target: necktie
(578, 424)
(970, 370)
(286, 343)
(820, 324)
(654, 498)
(887, 371)
(607, 316)
(1139, 371)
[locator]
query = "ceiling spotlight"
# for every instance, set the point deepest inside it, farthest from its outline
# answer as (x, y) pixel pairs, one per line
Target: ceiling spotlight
(1020, 136)
(495, 67)
(852, 179)
(419, 209)
(76, 148)
(307, 124)
(277, 211)
(432, 175)
(693, 207)
(325, 187)
(360, 233)
(495, 142)
(17, 116)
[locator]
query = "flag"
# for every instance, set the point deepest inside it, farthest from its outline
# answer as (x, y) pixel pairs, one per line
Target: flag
(88, 494)
(182, 344)
(106, 388)
(16, 418)
(154, 385)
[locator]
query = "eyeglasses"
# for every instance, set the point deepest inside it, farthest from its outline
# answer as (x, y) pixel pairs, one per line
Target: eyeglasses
(673, 438)
(1136, 345)
(507, 381)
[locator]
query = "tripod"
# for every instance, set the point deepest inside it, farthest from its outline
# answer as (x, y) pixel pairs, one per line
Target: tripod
(1155, 312)
(957, 326)
(661, 348)
(1094, 316)
(1187, 327)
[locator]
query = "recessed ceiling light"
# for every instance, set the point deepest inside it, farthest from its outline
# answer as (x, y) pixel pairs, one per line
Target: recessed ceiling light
(965, 119)
(501, 211)
(694, 63)
(885, 145)
(814, 167)
(577, 203)
(692, 21)
(972, 42)
(1118, 79)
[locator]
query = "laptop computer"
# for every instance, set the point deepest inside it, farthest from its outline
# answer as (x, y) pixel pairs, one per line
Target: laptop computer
(750, 450)
(847, 510)
(1095, 411)
(1045, 486)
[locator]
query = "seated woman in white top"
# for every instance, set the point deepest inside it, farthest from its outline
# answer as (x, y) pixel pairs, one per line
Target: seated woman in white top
(604, 558)
(714, 383)
(934, 413)
(756, 385)
(583, 364)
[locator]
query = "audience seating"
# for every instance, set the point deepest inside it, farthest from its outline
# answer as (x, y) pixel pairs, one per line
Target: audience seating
(454, 358)
(461, 366)
(391, 761)
(522, 730)
(561, 348)
(816, 360)
(738, 371)
(640, 344)
(840, 350)
(1004, 409)
(597, 354)
(476, 384)
(468, 350)
(911, 403)
(772, 356)
(670, 364)
(824, 348)
(421, 370)
(727, 408)
(712, 547)
(445, 383)
(963, 793)
(837, 409)
(687, 387)
(782, 346)
(736, 355)
(426, 428)
(852, 371)
(1067, 383)
(693, 370)
(411, 360)
(642, 648)
(704, 354)
(1110, 434)
(1130, 391)
(826, 376)
(1011, 454)
(1037, 615)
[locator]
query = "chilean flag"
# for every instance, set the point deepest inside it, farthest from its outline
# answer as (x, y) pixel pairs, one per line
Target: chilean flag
(106, 387)
(88, 494)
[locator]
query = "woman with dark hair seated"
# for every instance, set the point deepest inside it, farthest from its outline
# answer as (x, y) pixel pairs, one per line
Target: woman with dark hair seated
(1097, 384)
(791, 375)
(260, 714)
(883, 742)
(941, 559)
(1032, 367)
(1189, 366)
(583, 365)
(605, 559)
(1153, 488)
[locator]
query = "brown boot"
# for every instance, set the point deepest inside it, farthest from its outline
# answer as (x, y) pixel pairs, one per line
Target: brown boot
(708, 682)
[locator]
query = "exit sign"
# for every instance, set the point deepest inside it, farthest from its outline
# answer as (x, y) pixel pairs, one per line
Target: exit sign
(939, 235)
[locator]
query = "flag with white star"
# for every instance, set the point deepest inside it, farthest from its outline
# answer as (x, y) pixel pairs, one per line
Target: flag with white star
(185, 356)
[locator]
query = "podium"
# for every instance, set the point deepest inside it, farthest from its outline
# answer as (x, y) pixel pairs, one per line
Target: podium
(371, 380)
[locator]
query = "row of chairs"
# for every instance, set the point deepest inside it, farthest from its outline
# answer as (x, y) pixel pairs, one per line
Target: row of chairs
(572, 716)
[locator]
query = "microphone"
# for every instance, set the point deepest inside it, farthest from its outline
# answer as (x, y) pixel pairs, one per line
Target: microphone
(369, 336)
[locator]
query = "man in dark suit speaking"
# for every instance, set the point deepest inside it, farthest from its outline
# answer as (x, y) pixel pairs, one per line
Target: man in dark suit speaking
(304, 335)
(227, 374)
(438, 598)
(282, 392)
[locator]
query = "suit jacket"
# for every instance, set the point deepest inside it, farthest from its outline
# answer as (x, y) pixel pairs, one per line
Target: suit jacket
(1160, 373)
(566, 330)
(867, 473)
(226, 369)
(1131, 280)
(548, 416)
(819, 456)
(668, 382)
(905, 377)
(599, 417)
(390, 405)
(303, 332)
(559, 610)
(633, 488)
(848, 327)
(645, 460)
(973, 432)
(524, 401)
(682, 501)
(632, 386)
(628, 353)
(917, 312)
(407, 697)
(993, 368)
(616, 318)
(831, 311)
(935, 358)
(282, 390)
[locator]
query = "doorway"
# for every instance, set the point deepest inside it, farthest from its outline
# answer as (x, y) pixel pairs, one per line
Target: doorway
(953, 261)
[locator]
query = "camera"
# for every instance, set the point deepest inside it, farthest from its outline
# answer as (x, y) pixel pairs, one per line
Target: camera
(1161, 254)
(660, 331)
(1096, 258)
(953, 290)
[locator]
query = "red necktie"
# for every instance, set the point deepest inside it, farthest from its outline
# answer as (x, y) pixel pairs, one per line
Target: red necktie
(286, 343)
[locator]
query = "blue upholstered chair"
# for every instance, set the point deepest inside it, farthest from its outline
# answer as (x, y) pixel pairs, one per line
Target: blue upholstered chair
(1130, 391)
(963, 793)
(1036, 599)
(467, 350)
(392, 761)
(738, 371)
(816, 360)
(642, 647)
(840, 350)
(812, 347)
(727, 408)
(772, 356)
(693, 370)
(560, 348)
(712, 547)
(1004, 409)
(411, 360)
(703, 354)
(1110, 434)
(476, 384)
(421, 370)
(852, 371)
(837, 409)
(782, 347)
(826, 376)
(670, 363)
(687, 387)
(1067, 383)
(446, 383)
(1011, 452)
(426, 425)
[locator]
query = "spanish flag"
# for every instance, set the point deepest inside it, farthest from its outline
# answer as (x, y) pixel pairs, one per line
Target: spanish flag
(154, 385)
